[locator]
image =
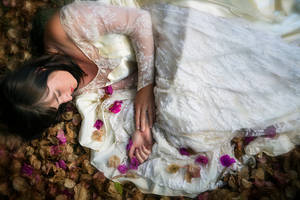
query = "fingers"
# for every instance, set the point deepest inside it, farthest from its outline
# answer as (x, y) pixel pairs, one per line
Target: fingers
(142, 154)
(131, 151)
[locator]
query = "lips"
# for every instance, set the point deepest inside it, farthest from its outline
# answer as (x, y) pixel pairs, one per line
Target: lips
(72, 89)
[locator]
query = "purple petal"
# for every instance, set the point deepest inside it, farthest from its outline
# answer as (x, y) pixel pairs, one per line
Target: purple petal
(62, 164)
(98, 124)
(249, 139)
(54, 150)
(129, 145)
(226, 161)
(184, 151)
(270, 132)
(134, 163)
(61, 137)
(27, 169)
(201, 160)
(108, 90)
(116, 107)
(122, 169)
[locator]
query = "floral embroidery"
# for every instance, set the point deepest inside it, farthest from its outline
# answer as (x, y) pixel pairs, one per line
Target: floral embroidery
(116, 107)
(226, 161)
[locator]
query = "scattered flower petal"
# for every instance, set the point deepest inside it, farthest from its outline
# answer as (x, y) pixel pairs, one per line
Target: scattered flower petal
(134, 163)
(54, 150)
(249, 139)
(270, 132)
(98, 124)
(61, 137)
(226, 161)
(122, 169)
(27, 169)
(97, 135)
(116, 107)
(108, 90)
(184, 151)
(114, 161)
(173, 168)
(128, 146)
(201, 160)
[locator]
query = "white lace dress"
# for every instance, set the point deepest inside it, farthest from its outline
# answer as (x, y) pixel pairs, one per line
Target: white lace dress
(214, 76)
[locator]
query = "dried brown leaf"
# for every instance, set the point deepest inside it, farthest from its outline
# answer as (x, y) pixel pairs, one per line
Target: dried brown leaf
(173, 168)
(114, 161)
(67, 115)
(81, 192)
(20, 184)
(69, 183)
(97, 135)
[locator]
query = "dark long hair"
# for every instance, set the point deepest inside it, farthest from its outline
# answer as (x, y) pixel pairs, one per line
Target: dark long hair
(22, 90)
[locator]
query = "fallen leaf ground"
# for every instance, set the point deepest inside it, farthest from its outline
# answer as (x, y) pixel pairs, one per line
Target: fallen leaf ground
(47, 168)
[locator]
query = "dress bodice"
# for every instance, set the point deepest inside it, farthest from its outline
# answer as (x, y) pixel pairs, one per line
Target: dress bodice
(103, 32)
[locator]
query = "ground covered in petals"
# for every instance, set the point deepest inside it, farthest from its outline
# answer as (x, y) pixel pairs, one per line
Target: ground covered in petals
(57, 167)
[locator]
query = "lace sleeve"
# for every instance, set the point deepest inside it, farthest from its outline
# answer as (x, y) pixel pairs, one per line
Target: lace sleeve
(93, 19)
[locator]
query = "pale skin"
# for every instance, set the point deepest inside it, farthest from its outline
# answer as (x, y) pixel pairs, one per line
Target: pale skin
(57, 41)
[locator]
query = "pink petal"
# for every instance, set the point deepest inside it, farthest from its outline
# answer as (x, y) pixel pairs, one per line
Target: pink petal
(116, 107)
(122, 169)
(249, 139)
(184, 151)
(98, 124)
(201, 160)
(134, 163)
(62, 164)
(226, 160)
(270, 132)
(129, 145)
(61, 137)
(27, 169)
(54, 150)
(108, 90)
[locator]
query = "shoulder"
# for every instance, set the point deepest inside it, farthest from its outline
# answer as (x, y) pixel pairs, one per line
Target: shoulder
(55, 35)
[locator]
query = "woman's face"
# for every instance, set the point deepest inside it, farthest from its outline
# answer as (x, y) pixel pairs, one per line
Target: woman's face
(61, 85)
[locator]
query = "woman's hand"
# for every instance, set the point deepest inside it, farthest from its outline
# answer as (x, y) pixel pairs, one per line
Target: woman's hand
(141, 144)
(144, 107)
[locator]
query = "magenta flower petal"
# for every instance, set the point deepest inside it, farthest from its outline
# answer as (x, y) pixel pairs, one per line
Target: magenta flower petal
(98, 124)
(116, 107)
(184, 151)
(61, 137)
(54, 150)
(134, 163)
(122, 169)
(108, 90)
(62, 164)
(201, 160)
(249, 139)
(270, 132)
(27, 169)
(226, 161)
(129, 145)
